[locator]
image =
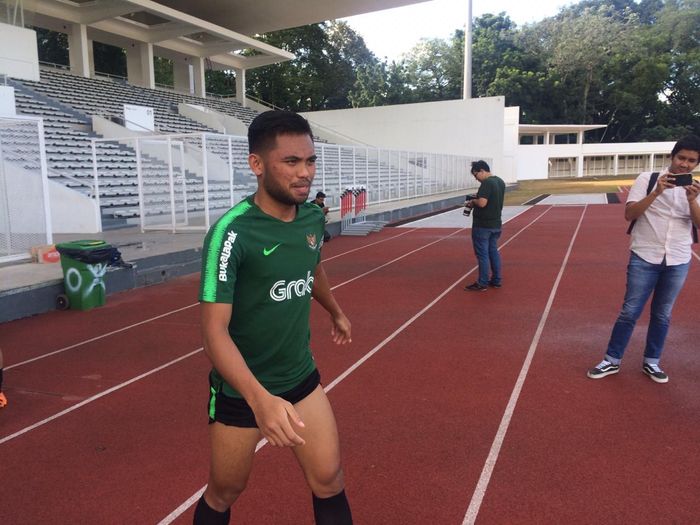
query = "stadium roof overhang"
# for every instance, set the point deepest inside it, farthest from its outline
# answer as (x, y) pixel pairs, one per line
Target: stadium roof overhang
(212, 29)
(252, 17)
(174, 33)
(539, 129)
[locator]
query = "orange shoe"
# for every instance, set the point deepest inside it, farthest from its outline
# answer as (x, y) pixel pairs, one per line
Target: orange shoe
(3, 400)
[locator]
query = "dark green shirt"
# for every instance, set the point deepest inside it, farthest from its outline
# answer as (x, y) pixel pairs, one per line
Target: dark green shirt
(265, 268)
(493, 189)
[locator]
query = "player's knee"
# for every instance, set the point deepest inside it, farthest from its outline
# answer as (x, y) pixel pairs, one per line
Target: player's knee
(222, 497)
(327, 483)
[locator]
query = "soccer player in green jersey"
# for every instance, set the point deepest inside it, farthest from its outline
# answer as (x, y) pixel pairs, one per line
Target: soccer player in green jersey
(260, 268)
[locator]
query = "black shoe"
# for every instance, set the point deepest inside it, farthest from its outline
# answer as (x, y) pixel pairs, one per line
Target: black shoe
(602, 369)
(655, 373)
(494, 285)
(476, 287)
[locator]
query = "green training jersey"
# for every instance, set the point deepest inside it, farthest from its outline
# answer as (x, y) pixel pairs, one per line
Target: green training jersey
(265, 268)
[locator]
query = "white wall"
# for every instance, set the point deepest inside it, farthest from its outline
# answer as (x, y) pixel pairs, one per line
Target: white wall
(532, 159)
(472, 127)
(19, 56)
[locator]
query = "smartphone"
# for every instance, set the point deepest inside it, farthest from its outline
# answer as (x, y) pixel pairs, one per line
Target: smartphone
(681, 179)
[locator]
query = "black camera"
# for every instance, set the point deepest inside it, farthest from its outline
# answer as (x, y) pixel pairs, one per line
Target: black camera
(468, 209)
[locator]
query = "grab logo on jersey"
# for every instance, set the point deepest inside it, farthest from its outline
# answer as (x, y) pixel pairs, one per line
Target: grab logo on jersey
(283, 290)
(226, 255)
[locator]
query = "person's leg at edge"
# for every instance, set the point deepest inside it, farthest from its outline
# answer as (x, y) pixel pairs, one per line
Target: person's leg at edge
(3, 399)
(319, 459)
(232, 451)
(495, 257)
(670, 284)
(480, 242)
(641, 280)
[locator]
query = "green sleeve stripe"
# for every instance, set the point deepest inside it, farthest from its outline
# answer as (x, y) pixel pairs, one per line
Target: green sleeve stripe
(210, 275)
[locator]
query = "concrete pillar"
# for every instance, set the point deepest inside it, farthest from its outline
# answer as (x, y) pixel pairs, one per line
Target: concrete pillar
(182, 76)
(198, 68)
(139, 65)
(579, 166)
(616, 165)
(79, 50)
(240, 86)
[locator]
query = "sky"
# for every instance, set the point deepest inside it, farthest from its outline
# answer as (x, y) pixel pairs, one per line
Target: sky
(392, 32)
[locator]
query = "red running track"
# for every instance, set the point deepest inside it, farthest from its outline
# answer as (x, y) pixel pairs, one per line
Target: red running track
(453, 407)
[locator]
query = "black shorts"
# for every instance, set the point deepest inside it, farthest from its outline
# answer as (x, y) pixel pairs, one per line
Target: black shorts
(236, 412)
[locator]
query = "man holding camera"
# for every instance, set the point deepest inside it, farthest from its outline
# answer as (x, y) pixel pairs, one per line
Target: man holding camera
(664, 218)
(486, 227)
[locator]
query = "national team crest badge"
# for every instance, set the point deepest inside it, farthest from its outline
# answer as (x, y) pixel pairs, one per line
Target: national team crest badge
(311, 241)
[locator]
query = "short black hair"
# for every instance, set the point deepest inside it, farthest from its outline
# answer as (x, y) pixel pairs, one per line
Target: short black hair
(266, 127)
(320, 195)
(479, 165)
(689, 142)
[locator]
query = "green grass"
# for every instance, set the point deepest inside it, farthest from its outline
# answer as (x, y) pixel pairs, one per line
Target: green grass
(529, 189)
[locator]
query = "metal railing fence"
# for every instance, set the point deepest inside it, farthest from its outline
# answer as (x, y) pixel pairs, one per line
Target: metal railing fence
(186, 181)
(25, 216)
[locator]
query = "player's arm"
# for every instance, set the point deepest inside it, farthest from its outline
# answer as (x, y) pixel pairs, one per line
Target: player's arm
(321, 291)
(634, 210)
(692, 193)
(273, 414)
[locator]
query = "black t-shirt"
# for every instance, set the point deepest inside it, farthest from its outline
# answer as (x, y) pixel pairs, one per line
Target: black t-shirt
(493, 189)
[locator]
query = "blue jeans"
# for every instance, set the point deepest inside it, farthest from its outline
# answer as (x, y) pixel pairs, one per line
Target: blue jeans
(485, 245)
(643, 278)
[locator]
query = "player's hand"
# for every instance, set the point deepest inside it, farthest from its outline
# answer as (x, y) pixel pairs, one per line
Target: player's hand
(277, 420)
(692, 191)
(340, 331)
(663, 184)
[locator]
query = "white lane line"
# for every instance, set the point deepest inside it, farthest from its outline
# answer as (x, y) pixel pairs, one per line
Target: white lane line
(117, 387)
(367, 245)
(98, 396)
(195, 497)
(97, 338)
(397, 259)
(482, 485)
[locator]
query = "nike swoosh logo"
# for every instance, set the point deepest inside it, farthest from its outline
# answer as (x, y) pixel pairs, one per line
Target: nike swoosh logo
(267, 252)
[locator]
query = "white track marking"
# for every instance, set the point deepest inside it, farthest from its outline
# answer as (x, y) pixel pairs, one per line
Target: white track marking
(195, 497)
(367, 246)
(482, 485)
(98, 396)
(99, 337)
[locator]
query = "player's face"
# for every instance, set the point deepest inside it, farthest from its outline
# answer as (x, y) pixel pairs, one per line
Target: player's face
(287, 170)
(684, 161)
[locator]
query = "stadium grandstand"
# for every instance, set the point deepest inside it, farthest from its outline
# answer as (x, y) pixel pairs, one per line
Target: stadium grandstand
(85, 153)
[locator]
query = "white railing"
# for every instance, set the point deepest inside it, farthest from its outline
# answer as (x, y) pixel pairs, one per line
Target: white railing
(186, 181)
(25, 216)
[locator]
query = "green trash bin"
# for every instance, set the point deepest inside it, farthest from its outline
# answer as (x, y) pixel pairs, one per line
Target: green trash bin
(84, 265)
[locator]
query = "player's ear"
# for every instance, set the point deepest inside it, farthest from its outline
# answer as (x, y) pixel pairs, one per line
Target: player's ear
(256, 164)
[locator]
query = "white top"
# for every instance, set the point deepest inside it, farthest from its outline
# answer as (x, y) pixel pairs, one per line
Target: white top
(665, 228)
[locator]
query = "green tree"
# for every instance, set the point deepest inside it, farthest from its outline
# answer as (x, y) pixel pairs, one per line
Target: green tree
(328, 55)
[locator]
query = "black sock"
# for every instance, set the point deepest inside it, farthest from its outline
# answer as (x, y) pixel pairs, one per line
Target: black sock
(332, 511)
(205, 515)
